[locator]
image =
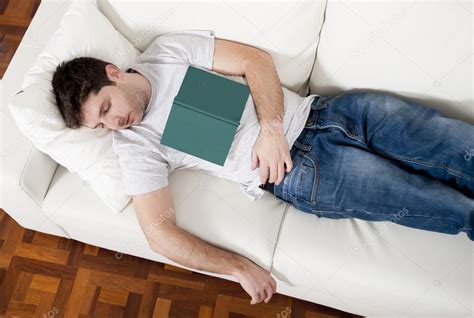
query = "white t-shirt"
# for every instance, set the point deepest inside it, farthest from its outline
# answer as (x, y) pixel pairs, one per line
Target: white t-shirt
(145, 163)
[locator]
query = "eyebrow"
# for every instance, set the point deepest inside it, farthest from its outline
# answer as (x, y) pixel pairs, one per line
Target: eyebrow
(100, 112)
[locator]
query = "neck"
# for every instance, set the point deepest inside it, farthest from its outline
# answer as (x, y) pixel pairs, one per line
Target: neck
(144, 84)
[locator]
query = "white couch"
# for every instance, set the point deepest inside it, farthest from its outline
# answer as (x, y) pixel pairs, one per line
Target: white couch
(415, 49)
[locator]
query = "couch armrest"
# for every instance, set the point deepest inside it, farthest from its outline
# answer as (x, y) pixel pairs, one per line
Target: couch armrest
(37, 174)
(25, 177)
(23, 166)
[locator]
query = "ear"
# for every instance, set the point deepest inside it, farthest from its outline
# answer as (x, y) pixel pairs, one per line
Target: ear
(113, 72)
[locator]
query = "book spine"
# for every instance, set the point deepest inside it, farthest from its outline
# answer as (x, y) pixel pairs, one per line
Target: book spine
(204, 112)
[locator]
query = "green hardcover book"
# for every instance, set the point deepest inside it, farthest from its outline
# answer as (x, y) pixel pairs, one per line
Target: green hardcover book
(205, 115)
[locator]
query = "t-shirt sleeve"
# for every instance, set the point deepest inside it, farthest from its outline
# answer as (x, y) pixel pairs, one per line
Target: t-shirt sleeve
(194, 47)
(142, 170)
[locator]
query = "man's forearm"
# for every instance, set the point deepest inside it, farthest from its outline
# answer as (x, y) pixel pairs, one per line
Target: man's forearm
(265, 87)
(186, 249)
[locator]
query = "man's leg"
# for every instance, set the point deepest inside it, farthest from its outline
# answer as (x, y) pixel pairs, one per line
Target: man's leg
(420, 139)
(376, 157)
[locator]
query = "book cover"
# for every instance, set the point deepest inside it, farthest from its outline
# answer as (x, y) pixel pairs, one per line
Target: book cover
(205, 115)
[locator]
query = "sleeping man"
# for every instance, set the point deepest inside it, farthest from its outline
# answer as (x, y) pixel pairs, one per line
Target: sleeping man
(365, 155)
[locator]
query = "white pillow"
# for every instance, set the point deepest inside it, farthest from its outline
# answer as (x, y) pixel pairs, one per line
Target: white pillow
(84, 31)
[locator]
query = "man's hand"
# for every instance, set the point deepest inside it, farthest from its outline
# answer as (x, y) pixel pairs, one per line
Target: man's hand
(271, 152)
(256, 281)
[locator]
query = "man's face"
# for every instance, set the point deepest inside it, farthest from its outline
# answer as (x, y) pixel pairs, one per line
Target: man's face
(111, 107)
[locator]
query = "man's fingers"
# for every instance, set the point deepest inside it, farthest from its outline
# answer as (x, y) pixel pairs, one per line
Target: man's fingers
(269, 293)
(254, 160)
(259, 296)
(254, 300)
(273, 172)
(289, 164)
(255, 297)
(281, 172)
(262, 295)
(273, 284)
(277, 173)
(263, 173)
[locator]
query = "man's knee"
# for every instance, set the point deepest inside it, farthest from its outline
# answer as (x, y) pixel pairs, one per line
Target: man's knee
(390, 105)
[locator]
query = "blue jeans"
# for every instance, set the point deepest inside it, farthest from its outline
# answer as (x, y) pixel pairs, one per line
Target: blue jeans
(377, 157)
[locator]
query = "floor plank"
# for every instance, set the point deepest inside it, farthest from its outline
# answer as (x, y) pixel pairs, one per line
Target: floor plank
(15, 17)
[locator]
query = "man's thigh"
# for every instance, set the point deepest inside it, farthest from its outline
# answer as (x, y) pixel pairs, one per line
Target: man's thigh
(341, 178)
(419, 137)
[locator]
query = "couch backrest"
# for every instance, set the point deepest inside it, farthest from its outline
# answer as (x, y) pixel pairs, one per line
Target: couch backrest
(417, 49)
(288, 30)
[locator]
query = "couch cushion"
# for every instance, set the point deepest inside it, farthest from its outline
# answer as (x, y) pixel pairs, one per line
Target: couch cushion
(418, 49)
(84, 31)
(271, 28)
(374, 268)
(213, 209)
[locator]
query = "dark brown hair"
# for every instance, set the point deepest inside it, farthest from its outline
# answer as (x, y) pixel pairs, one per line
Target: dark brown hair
(73, 81)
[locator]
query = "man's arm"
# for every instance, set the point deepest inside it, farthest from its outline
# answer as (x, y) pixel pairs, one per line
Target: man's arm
(271, 151)
(155, 214)
(233, 58)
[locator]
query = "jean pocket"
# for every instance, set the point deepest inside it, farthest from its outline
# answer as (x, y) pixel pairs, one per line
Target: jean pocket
(307, 180)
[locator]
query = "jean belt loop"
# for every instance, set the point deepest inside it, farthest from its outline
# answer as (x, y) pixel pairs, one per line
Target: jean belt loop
(302, 146)
(319, 102)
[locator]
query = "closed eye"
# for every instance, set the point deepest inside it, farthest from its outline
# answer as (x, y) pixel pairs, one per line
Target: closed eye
(106, 113)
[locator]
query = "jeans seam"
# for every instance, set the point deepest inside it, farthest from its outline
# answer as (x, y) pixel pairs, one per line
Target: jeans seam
(298, 181)
(426, 164)
(285, 193)
(365, 211)
(315, 187)
(348, 134)
(307, 148)
(297, 187)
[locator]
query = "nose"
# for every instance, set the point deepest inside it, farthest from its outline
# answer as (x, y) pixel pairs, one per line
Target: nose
(114, 123)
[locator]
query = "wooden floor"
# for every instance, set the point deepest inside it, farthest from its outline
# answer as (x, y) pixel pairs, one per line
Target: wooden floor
(15, 17)
(43, 275)
(47, 276)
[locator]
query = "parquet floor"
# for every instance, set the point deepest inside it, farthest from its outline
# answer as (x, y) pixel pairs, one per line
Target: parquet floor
(43, 275)
(47, 276)
(15, 17)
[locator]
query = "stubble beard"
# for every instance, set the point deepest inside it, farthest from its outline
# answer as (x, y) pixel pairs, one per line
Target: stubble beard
(135, 97)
